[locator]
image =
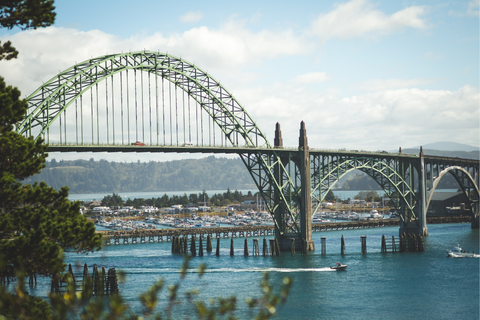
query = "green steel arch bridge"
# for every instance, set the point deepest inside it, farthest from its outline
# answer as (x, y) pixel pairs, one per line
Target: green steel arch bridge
(155, 102)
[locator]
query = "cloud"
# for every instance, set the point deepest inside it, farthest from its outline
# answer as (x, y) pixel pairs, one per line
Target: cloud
(191, 17)
(472, 9)
(386, 84)
(432, 56)
(358, 18)
(312, 77)
(381, 120)
(46, 52)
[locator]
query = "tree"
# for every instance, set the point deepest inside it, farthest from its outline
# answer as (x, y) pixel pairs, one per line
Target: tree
(36, 222)
(330, 196)
(112, 200)
(26, 14)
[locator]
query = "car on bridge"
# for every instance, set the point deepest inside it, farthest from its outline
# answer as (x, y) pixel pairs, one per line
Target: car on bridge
(137, 143)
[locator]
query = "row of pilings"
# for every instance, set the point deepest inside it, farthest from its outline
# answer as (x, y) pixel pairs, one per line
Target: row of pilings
(184, 244)
(102, 282)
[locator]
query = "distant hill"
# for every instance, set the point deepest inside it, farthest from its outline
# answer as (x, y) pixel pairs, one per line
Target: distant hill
(452, 154)
(83, 176)
(448, 146)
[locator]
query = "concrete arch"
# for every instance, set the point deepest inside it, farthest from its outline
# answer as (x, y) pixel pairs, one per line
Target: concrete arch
(454, 171)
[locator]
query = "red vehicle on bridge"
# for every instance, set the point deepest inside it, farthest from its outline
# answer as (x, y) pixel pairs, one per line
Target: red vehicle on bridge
(137, 143)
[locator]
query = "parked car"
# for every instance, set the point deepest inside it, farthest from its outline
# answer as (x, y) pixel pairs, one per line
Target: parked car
(138, 143)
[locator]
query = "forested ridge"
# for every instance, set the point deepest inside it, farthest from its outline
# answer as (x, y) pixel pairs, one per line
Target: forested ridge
(89, 176)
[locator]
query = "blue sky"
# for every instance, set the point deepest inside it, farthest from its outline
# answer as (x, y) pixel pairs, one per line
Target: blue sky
(372, 75)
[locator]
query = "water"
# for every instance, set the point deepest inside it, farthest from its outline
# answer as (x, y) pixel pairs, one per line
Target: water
(148, 195)
(342, 194)
(425, 285)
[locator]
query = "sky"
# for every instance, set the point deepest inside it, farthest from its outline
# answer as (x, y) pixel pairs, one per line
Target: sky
(363, 75)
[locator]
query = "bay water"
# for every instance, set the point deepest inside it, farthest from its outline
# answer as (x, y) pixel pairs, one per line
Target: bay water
(342, 194)
(410, 285)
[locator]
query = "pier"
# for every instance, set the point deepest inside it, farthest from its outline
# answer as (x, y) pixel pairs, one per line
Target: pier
(166, 235)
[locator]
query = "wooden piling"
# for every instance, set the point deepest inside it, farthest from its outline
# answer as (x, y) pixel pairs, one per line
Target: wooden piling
(323, 244)
(185, 244)
(193, 249)
(342, 246)
(265, 247)
(277, 247)
(200, 248)
(384, 245)
(209, 243)
(231, 247)
(256, 248)
(217, 252)
(293, 246)
(421, 248)
(245, 248)
(363, 240)
(272, 246)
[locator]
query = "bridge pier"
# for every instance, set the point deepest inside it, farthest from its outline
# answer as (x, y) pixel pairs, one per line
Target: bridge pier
(475, 215)
(303, 241)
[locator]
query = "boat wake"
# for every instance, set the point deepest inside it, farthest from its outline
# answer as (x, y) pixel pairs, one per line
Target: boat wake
(228, 270)
(474, 255)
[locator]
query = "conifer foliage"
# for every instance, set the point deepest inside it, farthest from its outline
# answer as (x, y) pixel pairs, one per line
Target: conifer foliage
(37, 223)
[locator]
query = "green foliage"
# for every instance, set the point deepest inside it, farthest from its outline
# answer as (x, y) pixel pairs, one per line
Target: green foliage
(26, 14)
(330, 196)
(369, 196)
(20, 305)
(113, 200)
(73, 304)
(36, 222)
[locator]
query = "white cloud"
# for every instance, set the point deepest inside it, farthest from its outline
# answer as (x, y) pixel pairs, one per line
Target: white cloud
(46, 52)
(382, 120)
(432, 56)
(472, 9)
(358, 18)
(312, 77)
(386, 84)
(191, 17)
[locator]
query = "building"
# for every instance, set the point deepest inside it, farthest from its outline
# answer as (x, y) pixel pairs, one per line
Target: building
(448, 204)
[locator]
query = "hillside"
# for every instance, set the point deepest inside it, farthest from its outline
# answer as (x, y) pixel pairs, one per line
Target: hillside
(83, 176)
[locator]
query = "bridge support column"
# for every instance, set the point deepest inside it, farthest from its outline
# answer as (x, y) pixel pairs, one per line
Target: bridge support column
(418, 225)
(475, 215)
(306, 197)
(422, 212)
(303, 240)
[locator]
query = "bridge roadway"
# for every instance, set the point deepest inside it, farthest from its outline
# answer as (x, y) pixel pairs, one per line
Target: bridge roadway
(238, 150)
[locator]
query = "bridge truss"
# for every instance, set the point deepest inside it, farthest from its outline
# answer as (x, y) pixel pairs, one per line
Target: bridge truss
(162, 103)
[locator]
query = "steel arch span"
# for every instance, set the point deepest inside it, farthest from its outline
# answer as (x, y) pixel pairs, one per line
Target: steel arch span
(395, 175)
(464, 180)
(66, 89)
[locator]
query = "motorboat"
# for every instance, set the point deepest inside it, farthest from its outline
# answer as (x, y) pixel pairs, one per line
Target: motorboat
(339, 267)
(457, 252)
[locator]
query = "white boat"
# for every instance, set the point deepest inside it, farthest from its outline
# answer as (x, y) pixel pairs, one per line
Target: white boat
(339, 267)
(458, 253)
